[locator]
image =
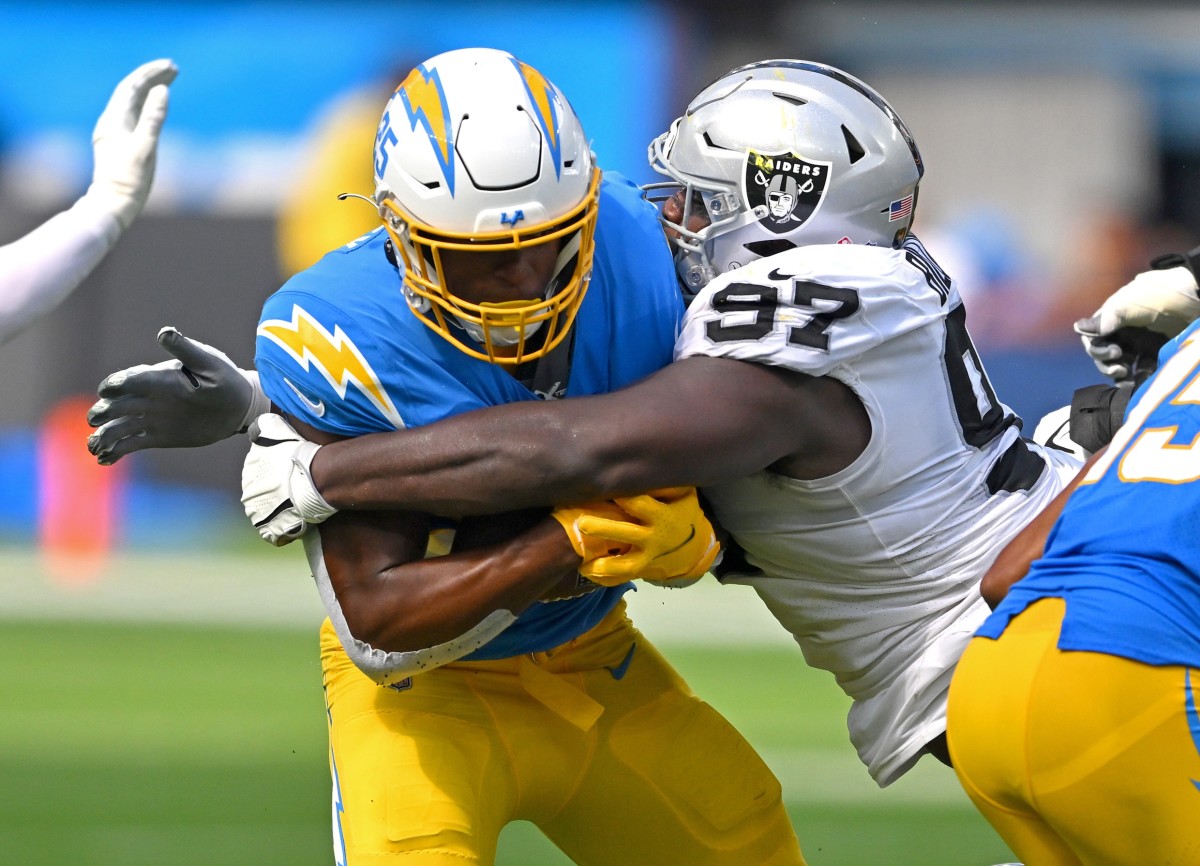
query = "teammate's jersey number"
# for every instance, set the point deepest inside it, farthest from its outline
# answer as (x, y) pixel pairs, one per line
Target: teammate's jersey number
(748, 312)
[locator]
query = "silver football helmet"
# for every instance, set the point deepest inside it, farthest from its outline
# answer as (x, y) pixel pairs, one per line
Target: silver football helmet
(779, 154)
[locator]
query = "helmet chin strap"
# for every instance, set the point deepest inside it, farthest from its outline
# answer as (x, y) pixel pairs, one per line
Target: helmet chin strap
(501, 335)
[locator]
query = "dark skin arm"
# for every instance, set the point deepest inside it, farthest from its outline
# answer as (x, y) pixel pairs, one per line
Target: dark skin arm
(396, 600)
(1027, 545)
(698, 421)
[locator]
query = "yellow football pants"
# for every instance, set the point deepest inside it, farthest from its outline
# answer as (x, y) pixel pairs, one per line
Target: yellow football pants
(599, 743)
(1077, 757)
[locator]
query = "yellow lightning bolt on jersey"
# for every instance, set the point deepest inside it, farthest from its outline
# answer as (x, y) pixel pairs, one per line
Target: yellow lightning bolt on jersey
(424, 100)
(334, 355)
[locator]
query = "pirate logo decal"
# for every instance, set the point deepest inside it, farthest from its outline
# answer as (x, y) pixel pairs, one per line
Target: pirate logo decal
(785, 188)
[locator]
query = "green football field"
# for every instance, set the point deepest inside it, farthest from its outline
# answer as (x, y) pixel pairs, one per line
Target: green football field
(170, 713)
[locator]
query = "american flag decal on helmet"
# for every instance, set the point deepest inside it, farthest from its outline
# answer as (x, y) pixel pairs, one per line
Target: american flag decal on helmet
(900, 209)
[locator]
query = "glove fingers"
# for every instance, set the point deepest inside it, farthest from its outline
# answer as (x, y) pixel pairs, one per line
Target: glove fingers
(1102, 350)
(104, 410)
(643, 506)
(614, 569)
(116, 439)
(612, 530)
(127, 381)
(121, 112)
(154, 112)
(145, 386)
(191, 353)
(670, 494)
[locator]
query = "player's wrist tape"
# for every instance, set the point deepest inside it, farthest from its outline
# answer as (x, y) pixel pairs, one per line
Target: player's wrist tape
(309, 502)
(259, 404)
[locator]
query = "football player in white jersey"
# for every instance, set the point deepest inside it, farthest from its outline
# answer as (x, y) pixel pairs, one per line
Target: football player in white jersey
(39, 270)
(825, 394)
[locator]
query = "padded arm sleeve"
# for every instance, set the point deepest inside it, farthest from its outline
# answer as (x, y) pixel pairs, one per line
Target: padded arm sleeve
(39, 270)
(386, 667)
(1097, 412)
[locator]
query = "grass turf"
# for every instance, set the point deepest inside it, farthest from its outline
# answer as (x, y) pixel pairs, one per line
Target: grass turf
(150, 744)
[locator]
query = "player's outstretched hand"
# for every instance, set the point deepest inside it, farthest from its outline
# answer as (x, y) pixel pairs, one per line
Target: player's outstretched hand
(197, 398)
(278, 493)
(1130, 326)
(125, 140)
(668, 539)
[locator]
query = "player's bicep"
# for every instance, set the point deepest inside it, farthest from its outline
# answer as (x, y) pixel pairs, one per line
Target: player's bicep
(699, 421)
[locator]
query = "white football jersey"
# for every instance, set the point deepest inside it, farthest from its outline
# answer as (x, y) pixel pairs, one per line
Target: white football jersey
(875, 570)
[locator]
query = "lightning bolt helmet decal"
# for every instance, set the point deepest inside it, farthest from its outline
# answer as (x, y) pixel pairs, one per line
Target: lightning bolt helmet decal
(425, 101)
(542, 95)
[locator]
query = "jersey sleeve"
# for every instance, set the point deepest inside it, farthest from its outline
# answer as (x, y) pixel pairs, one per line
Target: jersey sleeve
(812, 309)
(317, 363)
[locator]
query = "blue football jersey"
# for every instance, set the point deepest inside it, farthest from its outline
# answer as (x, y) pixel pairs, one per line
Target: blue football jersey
(1125, 553)
(339, 348)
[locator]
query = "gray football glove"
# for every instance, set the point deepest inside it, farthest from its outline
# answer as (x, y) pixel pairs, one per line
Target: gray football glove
(278, 492)
(1137, 319)
(198, 398)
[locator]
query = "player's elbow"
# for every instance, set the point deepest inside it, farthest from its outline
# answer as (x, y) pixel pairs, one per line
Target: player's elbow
(400, 631)
(995, 586)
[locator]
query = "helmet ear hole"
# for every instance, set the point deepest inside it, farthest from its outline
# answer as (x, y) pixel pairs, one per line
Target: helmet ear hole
(853, 149)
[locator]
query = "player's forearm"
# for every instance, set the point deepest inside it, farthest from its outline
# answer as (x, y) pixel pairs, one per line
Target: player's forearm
(429, 602)
(42, 268)
(1028, 545)
(476, 463)
(698, 422)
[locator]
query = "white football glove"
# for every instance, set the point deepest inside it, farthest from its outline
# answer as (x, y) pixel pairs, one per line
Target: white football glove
(278, 493)
(198, 398)
(1163, 301)
(1054, 431)
(125, 140)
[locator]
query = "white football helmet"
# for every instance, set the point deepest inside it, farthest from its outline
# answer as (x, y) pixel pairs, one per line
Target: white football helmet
(478, 151)
(784, 153)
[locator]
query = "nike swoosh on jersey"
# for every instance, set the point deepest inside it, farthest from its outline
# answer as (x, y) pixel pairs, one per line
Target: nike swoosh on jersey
(317, 407)
(618, 672)
(776, 274)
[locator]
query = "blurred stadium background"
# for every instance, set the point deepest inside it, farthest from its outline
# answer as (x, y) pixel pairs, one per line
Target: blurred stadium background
(162, 700)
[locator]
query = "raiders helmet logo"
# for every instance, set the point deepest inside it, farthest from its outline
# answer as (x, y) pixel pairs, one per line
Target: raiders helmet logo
(785, 188)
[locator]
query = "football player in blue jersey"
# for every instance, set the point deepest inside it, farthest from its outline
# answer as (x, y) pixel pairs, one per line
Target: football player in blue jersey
(1073, 715)
(478, 681)
(39, 270)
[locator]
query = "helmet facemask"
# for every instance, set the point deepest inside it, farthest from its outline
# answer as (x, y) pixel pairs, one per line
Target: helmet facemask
(509, 332)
